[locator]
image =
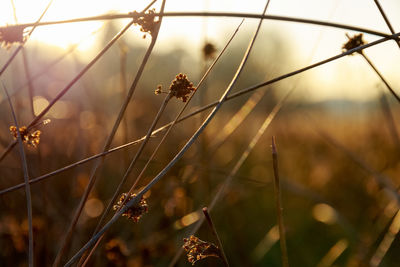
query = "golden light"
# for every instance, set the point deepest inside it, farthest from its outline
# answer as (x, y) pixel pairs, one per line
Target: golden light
(94, 207)
(187, 220)
(39, 104)
(333, 253)
(324, 213)
(270, 238)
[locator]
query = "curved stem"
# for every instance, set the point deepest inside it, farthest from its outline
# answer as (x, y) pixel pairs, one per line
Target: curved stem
(216, 14)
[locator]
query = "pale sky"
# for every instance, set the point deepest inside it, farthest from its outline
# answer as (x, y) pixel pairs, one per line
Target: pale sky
(341, 79)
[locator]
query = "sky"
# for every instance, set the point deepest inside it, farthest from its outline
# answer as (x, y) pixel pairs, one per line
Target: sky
(309, 43)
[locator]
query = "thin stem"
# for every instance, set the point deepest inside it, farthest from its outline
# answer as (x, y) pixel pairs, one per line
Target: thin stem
(29, 79)
(217, 14)
(215, 234)
(386, 19)
(123, 91)
(26, 178)
(279, 208)
(381, 77)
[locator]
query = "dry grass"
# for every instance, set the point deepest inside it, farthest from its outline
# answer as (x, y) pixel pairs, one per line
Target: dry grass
(338, 163)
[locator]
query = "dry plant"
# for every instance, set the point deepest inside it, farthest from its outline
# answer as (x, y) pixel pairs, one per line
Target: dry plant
(149, 171)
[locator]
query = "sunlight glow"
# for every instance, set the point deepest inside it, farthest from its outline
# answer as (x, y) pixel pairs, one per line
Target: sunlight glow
(324, 213)
(189, 33)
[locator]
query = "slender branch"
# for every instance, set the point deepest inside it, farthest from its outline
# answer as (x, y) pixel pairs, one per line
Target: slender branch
(26, 178)
(279, 209)
(214, 232)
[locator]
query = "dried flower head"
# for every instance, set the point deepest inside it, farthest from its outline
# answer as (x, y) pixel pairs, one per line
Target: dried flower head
(353, 42)
(209, 51)
(198, 249)
(134, 212)
(31, 139)
(116, 252)
(147, 21)
(181, 87)
(11, 34)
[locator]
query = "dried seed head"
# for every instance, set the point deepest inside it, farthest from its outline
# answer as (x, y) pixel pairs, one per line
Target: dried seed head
(136, 211)
(353, 42)
(147, 21)
(31, 139)
(198, 249)
(11, 34)
(181, 87)
(209, 51)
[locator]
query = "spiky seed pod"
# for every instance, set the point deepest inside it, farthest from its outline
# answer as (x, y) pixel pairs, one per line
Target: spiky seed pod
(136, 211)
(353, 42)
(181, 87)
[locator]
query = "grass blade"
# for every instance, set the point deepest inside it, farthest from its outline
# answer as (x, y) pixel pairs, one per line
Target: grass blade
(279, 209)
